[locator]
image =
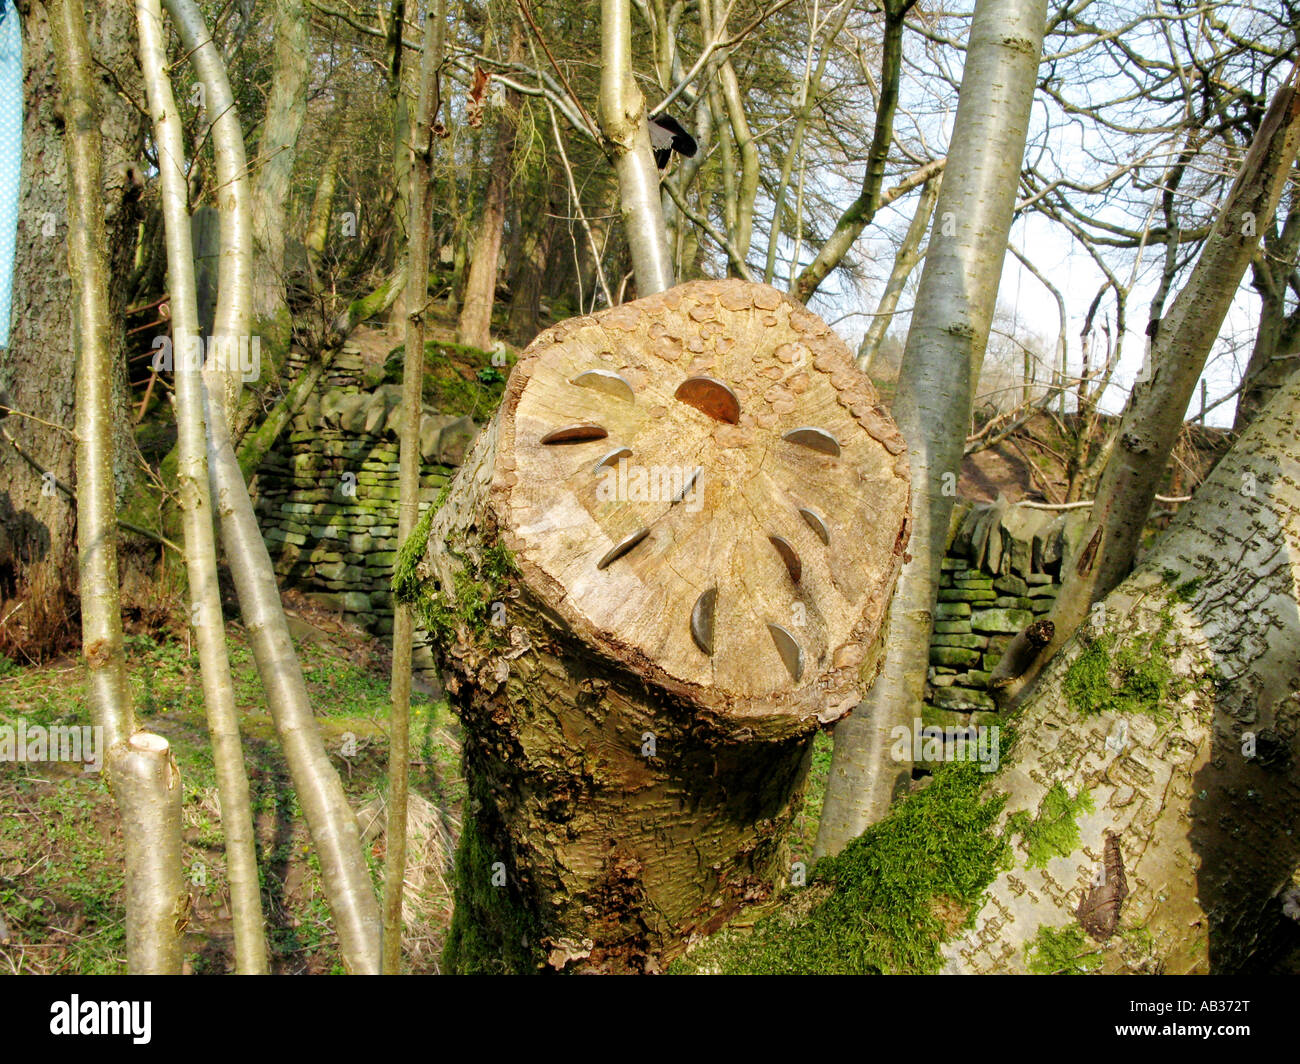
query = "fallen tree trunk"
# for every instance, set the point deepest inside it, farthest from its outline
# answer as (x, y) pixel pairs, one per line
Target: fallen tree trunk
(665, 564)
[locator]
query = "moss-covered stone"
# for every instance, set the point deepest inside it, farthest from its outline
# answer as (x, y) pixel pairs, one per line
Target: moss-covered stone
(1000, 620)
(956, 656)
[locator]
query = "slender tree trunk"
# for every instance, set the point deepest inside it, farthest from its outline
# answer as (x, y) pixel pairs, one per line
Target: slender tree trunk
(196, 507)
(810, 90)
(399, 721)
(235, 269)
(1154, 415)
(141, 771)
(286, 107)
(733, 100)
(330, 819)
(623, 126)
(1175, 709)
(908, 255)
(941, 364)
(474, 326)
(863, 209)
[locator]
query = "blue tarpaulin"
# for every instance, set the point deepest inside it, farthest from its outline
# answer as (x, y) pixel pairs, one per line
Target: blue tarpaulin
(11, 153)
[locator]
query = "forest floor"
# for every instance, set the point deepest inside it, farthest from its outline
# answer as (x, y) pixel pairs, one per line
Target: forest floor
(61, 863)
(61, 878)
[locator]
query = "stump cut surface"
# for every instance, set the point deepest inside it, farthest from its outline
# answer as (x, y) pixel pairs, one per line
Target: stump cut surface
(703, 487)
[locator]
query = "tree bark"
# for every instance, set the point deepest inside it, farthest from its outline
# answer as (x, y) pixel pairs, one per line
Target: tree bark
(1154, 415)
(37, 523)
(640, 678)
(941, 363)
(1176, 708)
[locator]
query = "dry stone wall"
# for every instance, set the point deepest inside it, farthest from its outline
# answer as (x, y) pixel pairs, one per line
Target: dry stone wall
(327, 493)
(1000, 573)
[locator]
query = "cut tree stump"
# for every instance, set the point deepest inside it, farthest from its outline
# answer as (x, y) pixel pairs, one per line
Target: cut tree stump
(666, 562)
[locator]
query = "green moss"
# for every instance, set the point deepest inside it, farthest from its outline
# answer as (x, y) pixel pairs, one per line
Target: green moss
(492, 931)
(889, 900)
(1054, 832)
(457, 379)
(1135, 678)
(1060, 951)
(481, 582)
(406, 584)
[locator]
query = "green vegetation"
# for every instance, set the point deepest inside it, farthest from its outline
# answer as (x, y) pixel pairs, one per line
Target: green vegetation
(1136, 678)
(61, 879)
(457, 379)
(1062, 951)
(889, 900)
(1054, 832)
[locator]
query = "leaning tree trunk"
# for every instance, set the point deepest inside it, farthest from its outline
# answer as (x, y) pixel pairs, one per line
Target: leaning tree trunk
(665, 564)
(1177, 709)
(1153, 418)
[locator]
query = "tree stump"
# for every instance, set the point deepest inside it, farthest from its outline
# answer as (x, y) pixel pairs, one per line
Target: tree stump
(666, 562)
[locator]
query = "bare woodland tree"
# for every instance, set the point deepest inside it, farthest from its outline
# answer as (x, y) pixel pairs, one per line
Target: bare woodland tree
(945, 346)
(142, 772)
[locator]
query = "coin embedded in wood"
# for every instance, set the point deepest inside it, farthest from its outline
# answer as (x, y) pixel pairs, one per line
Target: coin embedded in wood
(711, 397)
(607, 381)
(815, 439)
(575, 434)
(697, 549)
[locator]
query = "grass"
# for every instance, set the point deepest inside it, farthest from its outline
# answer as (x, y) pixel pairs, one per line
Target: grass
(61, 879)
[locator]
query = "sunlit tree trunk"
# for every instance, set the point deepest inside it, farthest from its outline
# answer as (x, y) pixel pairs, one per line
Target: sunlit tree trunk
(941, 363)
(141, 772)
(1154, 415)
(1176, 707)
(623, 125)
(330, 818)
(196, 506)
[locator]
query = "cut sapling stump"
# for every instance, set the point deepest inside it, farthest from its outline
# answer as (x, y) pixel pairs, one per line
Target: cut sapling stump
(665, 564)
